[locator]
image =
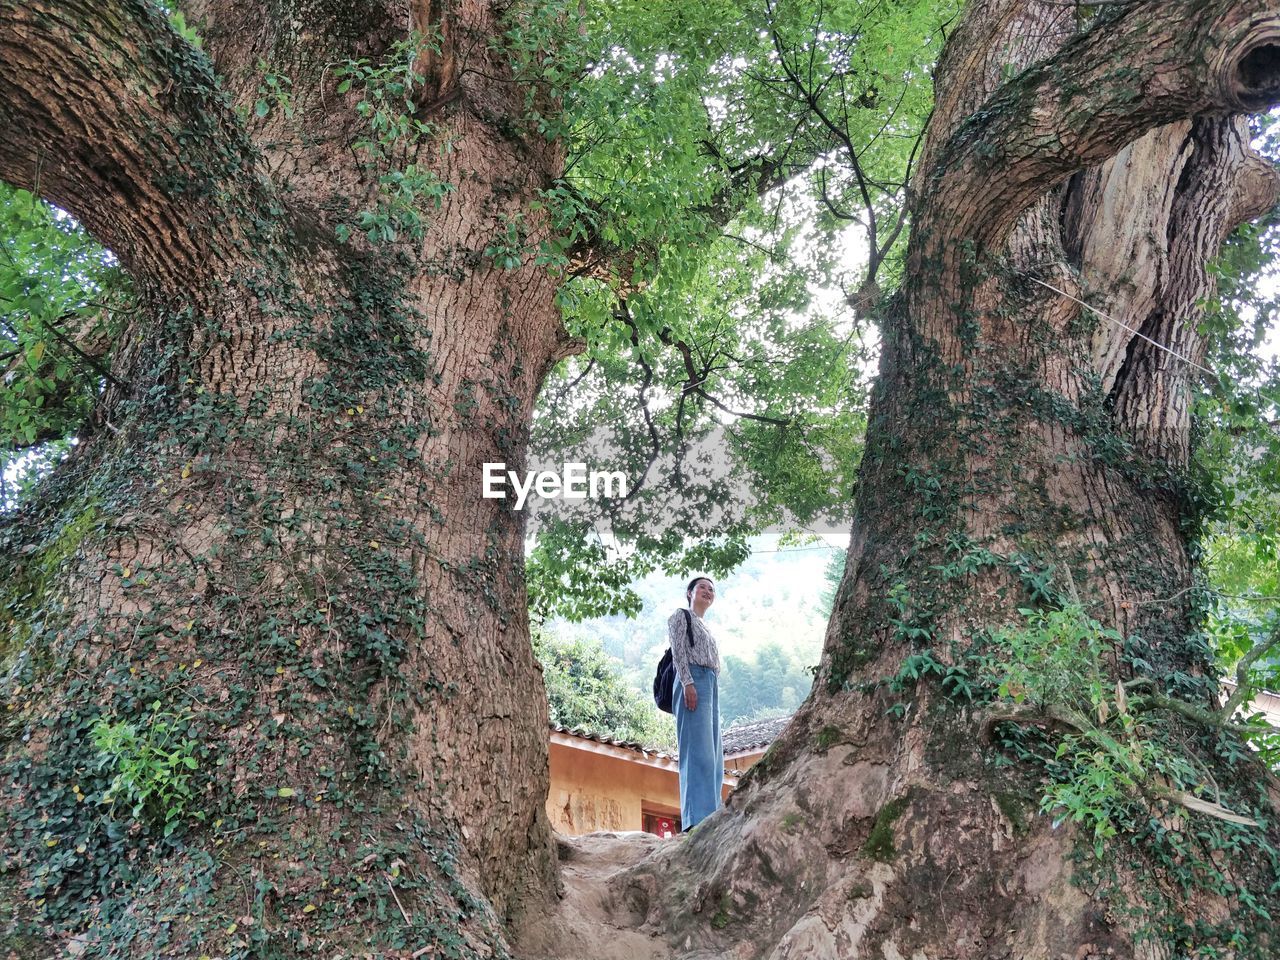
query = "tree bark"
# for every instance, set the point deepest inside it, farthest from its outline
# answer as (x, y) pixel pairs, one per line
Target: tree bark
(1022, 451)
(272, 546)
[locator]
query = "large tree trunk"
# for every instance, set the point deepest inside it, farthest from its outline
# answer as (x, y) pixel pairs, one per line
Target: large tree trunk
(1022, 452)
(274, 538)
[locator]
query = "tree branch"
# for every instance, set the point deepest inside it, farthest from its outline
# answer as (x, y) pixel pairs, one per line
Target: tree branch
(695, 380)
(753, 177)
(114, 117)
(840, 132)
(623, 314)
(1237, 698)
(1078, 107)
(1153, 699)
(593, 256)
(741, 415)
(90, 360)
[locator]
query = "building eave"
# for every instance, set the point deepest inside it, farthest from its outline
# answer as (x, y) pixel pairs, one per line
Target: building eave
(659, 761)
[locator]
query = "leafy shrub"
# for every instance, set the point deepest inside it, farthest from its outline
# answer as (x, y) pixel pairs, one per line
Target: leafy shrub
(154, 762)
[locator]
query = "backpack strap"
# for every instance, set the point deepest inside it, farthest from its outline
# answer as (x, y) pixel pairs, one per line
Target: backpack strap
(688, 620)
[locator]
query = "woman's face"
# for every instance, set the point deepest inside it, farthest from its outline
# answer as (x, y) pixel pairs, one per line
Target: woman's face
(704, 592)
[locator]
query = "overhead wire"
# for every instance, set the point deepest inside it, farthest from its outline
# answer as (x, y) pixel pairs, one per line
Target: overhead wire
(1125, 326)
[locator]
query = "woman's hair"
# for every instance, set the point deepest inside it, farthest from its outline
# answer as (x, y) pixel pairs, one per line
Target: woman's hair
(688, 591)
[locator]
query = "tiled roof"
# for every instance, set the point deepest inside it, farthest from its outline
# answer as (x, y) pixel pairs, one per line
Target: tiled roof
(586, 734)
(742, 737)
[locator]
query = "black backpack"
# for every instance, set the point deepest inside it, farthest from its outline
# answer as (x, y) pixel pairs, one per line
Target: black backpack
(664, 680)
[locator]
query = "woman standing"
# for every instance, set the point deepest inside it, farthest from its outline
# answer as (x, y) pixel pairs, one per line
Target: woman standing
(697, 705)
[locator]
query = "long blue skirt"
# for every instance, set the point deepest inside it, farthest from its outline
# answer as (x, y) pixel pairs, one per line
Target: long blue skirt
(701, 755)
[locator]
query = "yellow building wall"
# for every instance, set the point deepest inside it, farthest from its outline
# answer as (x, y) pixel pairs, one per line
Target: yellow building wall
(743, 761)
(592, 791)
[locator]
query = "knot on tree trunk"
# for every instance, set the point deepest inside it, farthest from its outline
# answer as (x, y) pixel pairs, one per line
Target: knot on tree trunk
(1248, 67)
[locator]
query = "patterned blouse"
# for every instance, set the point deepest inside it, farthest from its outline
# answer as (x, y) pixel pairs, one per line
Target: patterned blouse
(704, 652)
